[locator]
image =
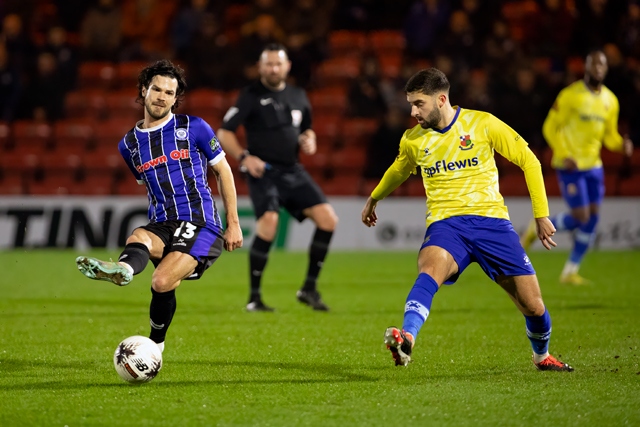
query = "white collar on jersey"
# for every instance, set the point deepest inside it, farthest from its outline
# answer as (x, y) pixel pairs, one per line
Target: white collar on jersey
(156, 127)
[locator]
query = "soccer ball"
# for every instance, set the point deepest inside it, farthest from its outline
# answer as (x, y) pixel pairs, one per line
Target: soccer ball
(137, 359)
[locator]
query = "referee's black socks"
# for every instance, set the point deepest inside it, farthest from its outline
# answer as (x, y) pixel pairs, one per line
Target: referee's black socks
(317, 253)
(258, 257)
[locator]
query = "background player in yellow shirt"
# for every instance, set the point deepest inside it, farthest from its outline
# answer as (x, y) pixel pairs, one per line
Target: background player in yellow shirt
(583, 117)
(467, 220)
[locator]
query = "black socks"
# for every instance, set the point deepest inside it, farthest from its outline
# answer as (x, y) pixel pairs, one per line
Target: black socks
(317, 253)
(258, 257)
(136, 255)
(163, 306)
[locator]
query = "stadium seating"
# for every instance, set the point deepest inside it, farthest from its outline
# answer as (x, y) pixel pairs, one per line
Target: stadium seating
(127, 74)
(384, 42)
(5, 136)
(329, 100)
(85, 103)
(357, 131)
(346, 43)
(344, 184)
(73, 134)
(206, 103)
(122, 104)
(348, 159)
(30, 133)
(96, 75)
(338, 71)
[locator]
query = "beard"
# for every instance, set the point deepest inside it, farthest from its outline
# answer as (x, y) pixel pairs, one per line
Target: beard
(156, 116)
(592, 81)
(273, 81)
(432, 120)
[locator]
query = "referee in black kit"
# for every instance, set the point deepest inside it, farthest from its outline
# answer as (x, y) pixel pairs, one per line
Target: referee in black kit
(277, 121)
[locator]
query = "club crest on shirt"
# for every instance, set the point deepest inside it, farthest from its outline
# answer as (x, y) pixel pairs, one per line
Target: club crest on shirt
(181, 134)
(215, 144)
(466, 143)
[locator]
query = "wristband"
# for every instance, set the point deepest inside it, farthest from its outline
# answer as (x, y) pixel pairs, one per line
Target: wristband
(244, 154)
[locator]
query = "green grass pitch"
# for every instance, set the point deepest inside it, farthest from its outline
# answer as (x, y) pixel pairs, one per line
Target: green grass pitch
(296, 367)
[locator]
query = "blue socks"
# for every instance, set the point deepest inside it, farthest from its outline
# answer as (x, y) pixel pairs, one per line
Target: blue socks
(564, 222)
(539, 332)
(582, 239)
(418, 304)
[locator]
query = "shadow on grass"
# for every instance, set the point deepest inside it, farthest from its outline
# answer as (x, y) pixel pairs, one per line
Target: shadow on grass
(329, 373)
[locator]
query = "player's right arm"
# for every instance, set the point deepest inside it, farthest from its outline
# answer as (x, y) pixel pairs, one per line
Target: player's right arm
(398, 172)
(126, 155)
(234, 117)
(554, 132)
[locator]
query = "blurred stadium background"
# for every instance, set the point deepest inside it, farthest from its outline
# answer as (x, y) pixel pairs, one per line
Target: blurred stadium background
(68, 72)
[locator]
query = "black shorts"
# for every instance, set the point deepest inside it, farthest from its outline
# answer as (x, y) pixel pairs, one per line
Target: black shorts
(182, 236)
(290, 187)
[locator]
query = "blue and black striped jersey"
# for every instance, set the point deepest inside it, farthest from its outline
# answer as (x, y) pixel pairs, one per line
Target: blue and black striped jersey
(171, 160)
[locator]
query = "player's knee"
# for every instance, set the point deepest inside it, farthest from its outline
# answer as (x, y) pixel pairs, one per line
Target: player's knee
(160, 283)
(535, 307)
(581, 215)
(326, 218)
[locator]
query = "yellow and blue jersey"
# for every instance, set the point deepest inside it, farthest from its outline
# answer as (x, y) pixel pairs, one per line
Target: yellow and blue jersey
(458, 167)
(579, 122)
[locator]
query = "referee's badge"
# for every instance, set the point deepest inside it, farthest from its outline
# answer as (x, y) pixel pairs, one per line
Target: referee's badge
(181, 134)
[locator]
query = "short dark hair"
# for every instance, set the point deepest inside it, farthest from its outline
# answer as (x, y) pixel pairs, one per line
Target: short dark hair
(274, 47)
(428, 81)
(166, 68)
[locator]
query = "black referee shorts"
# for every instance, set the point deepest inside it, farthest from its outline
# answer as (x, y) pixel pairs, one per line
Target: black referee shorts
(289, 187)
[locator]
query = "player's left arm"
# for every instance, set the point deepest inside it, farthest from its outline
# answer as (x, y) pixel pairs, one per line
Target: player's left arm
(227, 189)
(612, 138)
(514, 148)
(307, 138)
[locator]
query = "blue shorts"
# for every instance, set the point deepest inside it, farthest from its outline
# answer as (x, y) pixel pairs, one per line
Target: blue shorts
(582, 188)
(491, 242)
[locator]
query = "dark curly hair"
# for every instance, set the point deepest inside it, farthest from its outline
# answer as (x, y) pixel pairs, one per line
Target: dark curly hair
(165, 68)
(428, 81)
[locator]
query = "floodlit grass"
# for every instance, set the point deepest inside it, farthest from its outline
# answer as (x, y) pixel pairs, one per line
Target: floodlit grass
(296, 367)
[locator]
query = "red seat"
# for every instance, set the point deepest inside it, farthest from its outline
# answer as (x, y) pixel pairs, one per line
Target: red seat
(329, 101)
(551, 186)
(109, 132)
(611, 161)
(88, 104)
(127, 73)
(59, 184)
(387, 42)
(358, 131)
(129, 187)
(316, 162)
(390, 65)
(61, 161)
(347, 42)
(629, 187)
(12, 184)
(514, 185)
(337, 71)
(326, 128)
(342, 185)
(122, 104)
(73, 134)
(349, 159)
(206, 102)
(29, 133)
(96, 75)
(95, 185)
(414, 187)
(5, 136)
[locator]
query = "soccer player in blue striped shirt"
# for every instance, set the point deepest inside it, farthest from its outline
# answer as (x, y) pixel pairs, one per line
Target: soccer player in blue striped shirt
(169, 154)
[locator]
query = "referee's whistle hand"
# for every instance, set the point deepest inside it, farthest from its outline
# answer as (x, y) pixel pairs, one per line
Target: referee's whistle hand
(307, 144)
(254, 166)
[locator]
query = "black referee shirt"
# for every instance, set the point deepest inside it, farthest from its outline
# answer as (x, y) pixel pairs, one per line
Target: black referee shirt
(272, 121)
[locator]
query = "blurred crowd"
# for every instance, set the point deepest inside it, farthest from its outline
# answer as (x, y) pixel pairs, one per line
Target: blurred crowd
(508, 57)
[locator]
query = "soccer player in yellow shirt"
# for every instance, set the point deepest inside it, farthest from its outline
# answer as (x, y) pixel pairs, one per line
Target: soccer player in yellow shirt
(467, 220)
(583, 117)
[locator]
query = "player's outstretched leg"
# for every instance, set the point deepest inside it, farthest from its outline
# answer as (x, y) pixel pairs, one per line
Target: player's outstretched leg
(400, 343)
(539, 333)
(114, 272)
